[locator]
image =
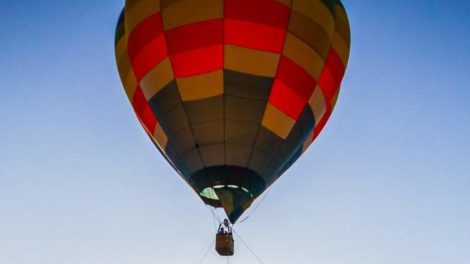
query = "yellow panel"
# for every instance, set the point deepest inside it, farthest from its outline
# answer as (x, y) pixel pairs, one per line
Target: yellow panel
(201, 86)
(123, 64)
(189, 11)
(120, 48)
(302, 54)
(277, 122)
(160, 137)
(130, 85)
(342, 48)
(127, 76)
(341, 12)
(318, 12)
(250, 61)
(307, 143)
(317, 104)
(311, 33)
(334, 99)
(285, 2)
(137, 11)
(157, 78)
(342, 24)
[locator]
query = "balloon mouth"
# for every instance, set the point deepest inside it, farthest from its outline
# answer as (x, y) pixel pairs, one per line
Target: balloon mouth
(235, 200)
(232, 188)
(210, 193)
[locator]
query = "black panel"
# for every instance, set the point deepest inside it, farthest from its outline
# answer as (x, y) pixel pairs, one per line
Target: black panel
(247, 85)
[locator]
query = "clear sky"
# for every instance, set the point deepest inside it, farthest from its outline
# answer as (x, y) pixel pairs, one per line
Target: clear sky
(388, 181)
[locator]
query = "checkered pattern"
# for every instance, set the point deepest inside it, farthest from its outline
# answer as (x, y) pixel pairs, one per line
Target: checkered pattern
(233, 84)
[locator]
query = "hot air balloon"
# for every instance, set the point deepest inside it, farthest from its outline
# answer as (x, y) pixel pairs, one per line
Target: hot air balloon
(232, 92)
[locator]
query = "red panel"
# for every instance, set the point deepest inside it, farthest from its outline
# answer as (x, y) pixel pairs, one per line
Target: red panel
(286, 100)
(262, 11)
(145, 32)
(296, 78)
(198, 61)
(143, 111)
(195, 36)
(328, 84)
(319, 127)
(336, 66)
(146, 45)
(149, 56)
(255, 36)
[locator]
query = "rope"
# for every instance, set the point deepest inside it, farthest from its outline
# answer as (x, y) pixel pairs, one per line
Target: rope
(213, 217)
(256, 206)
(246, 245)
(207, 252)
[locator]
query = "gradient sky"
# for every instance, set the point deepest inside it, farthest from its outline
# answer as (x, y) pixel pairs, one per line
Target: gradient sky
(387, 182)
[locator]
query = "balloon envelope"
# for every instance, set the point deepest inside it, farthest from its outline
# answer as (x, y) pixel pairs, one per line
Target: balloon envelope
(232, 92)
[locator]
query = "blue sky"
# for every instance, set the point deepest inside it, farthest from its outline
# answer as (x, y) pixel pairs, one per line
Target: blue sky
(388, 181)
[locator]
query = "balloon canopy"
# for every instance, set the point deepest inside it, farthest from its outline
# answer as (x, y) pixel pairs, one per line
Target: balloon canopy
(232, 92)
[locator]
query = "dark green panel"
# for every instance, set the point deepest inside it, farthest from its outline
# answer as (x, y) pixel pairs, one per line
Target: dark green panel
(183, 140)
(259, 160)
(241, 133)
(175, 158)
(120, 28)
(247, 85)
(209, 133)
(243, 109)
(267, 141)
(165, 100)
(237, 155)
(193, 160)
(205, 110)
(213, 155)
(174, 120)
(294, 142)
(291, 161)
(331, 5)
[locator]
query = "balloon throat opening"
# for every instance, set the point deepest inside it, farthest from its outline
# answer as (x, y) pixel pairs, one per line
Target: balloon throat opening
(233, 199)
(211, 194)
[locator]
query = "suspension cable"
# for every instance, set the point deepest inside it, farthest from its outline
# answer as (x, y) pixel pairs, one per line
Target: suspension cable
(207, 252)
(246, 245)
(256, 206)
(214, 218)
